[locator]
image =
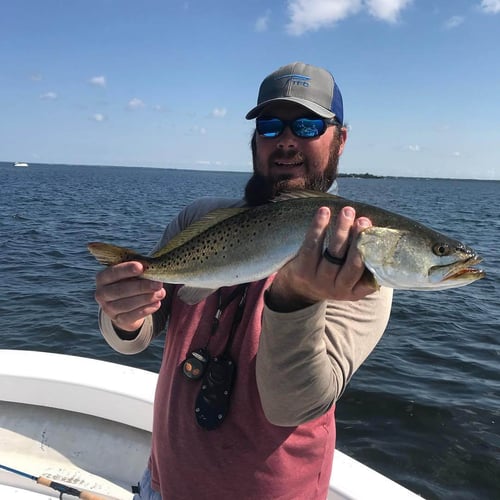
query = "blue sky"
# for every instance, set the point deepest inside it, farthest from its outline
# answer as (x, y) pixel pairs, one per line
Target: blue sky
(168, 83)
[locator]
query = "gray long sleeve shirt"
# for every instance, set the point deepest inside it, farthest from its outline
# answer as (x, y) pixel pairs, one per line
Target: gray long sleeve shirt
(305, 358)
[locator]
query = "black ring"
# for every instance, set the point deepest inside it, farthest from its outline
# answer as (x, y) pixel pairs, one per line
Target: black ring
(332, 259)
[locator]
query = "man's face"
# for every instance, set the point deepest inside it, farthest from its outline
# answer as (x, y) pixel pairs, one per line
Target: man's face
(295, 162)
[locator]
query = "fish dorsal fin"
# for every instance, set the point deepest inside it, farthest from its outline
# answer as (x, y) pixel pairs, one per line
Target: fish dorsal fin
(197, 227)
(301, 193)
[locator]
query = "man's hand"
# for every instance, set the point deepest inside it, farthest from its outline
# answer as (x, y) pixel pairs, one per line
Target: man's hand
(125, 298)
(309, 277)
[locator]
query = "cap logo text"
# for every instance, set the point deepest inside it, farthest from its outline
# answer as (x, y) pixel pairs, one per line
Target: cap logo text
(294, 79)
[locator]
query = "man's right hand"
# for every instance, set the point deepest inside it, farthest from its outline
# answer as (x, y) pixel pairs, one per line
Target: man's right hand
(126, 298)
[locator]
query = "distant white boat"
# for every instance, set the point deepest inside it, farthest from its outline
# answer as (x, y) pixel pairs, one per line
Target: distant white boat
(87, 423)
(20, 164)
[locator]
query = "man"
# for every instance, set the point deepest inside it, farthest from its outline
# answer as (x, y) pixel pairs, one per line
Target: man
(246, 393)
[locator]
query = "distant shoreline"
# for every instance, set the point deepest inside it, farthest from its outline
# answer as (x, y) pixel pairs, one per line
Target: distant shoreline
(362, 176)
(340, 175)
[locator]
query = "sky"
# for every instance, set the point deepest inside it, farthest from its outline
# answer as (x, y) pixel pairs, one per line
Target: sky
(168, 83)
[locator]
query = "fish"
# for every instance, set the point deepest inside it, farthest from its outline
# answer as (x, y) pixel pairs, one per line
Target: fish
(230, 246)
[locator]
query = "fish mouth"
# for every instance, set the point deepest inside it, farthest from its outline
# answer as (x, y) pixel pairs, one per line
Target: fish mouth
(463, 270)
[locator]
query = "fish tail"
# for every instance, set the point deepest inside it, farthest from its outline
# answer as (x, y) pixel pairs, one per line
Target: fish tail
(109, 255)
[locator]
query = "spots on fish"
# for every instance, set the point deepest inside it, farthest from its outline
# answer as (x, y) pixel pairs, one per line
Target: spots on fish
(218, 243)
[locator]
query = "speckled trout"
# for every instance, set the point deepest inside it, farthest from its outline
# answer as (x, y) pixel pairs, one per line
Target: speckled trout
(239, 245)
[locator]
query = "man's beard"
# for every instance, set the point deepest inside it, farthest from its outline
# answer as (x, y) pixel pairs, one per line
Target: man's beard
(260, 189)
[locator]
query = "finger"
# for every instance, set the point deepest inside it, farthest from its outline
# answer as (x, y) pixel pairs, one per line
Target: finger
(313, 242)
(124, 289)
(358, 227)
(339, 239)
(123, 311)
(365, 286)
(127, 319)
(353, 271)
(360, 224)
(133, 320)
(130, 303)
(119, 272)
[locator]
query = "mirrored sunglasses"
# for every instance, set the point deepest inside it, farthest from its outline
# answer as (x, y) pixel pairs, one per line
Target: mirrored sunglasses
(300, 127)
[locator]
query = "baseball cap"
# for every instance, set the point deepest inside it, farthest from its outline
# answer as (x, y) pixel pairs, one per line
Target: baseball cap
(310, 86)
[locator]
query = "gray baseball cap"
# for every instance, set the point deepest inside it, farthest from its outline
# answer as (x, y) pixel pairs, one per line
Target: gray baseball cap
(307, 85)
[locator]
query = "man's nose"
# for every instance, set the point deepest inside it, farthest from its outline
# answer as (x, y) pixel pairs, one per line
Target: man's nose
(287, 139)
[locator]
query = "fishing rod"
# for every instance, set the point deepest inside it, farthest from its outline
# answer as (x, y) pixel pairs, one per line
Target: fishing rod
(61, 488)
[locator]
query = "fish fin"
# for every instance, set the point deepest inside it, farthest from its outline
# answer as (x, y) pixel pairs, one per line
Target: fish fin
(197, 227)
(108, 254)
(302, 193)
(192, 295)
(371, 278)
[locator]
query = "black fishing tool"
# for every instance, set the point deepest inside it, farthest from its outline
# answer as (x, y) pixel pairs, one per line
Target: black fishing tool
(61, 488)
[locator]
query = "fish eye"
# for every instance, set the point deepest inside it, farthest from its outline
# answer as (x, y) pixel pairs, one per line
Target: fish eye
(441, 249)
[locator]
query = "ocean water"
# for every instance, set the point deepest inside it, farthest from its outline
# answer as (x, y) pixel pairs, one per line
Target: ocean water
(425, 407)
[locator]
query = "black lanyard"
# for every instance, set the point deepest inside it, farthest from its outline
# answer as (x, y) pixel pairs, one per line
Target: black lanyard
(240, 290)
(194, 365)
(217, 373)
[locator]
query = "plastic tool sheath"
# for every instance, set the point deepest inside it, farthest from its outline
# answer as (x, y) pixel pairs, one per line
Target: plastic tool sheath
(61, 488)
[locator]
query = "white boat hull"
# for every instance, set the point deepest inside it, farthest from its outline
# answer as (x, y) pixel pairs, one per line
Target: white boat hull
(87, 423)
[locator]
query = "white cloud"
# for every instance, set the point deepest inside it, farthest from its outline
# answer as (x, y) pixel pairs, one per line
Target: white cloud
(98, 117)
(457, 154)
(135, 103)
(160, 107)
(197, 130)
(49, 96)
(415, 148)
(99, 81)
(490, 6)
(219, 112)
(386, 10)
(262, 23)
(453, 22)
(311, 15)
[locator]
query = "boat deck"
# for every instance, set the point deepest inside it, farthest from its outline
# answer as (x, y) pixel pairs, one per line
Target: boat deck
(73, 420)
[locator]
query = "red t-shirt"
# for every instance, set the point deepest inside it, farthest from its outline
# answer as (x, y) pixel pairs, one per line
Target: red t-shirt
(246, 457)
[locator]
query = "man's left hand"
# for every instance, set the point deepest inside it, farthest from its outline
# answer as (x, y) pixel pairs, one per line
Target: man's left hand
(310, 277)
